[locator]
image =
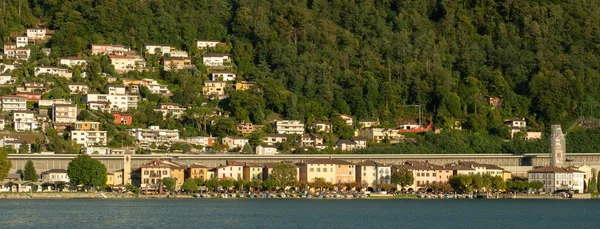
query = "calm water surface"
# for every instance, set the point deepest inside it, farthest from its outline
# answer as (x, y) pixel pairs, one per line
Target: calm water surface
(298, 213)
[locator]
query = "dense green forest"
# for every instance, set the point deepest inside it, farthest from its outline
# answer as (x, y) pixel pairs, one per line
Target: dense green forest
(370, 59)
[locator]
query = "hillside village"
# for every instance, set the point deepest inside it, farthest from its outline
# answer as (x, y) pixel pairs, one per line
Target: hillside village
(101, 103)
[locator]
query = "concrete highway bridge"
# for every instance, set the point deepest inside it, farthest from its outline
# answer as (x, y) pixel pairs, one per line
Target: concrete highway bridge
(517, 164)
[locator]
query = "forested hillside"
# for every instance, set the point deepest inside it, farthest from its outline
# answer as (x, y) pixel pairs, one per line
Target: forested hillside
(369, 59)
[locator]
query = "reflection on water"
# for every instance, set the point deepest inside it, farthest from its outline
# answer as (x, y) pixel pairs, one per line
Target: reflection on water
(294, 213)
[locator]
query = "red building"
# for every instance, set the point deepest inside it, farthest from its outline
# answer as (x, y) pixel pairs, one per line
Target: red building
(122, 118)
(30, 96)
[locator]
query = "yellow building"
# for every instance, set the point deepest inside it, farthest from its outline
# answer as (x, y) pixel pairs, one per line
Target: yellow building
(83, 126)
(326, 169)
(214, 88)
(253, 172)
(110, 179)
(153, 172)
(178, 173)
(243, 85)
(197, 171)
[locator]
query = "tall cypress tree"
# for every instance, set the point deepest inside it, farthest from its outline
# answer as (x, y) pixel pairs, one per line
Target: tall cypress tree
(29, 173)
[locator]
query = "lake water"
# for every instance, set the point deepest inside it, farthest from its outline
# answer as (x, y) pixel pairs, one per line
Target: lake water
(298, 213)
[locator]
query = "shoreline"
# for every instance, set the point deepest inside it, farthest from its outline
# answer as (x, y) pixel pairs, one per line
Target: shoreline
(104, 195)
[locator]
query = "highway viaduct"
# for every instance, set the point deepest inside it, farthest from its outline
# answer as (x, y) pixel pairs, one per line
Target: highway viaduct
(517, 164)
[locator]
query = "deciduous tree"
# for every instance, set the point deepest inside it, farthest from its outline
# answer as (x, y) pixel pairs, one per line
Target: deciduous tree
(86, 171)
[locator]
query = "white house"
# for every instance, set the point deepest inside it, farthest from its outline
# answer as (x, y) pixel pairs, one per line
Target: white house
(158, 48)
(36, 33)
(515, 125)
(72, 61)
(6, 79)
(13, 103)
(25, 121)
(116, 90)
(216, 60)
(556, 178)
(78, 88)
(53, 71)
(289, 127)
(17, 53)
(145, 137)
(55, 175)
(223, 76)
(115, 102)
(22, 41)
(87, 138)
(158, 89)
(234, 142)
(266, 150)
(321, 126)
(205, 44)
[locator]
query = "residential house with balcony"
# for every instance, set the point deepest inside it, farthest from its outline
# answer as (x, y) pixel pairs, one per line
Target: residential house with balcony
(64, 113)
(201, 141)
(556, 178)
(160, 49)
(232, 142)
(347, 119)
(289, 127)
(17, 53)
(61, 72)
(310, 140)
(104, 49)
(72, 61)
(114, 102)
(368, 123)
(331, 170)
(515, 125)
(116, 90)
(170, 110)
(425, 174)
(269, 150)
(176, 63)
(48, 103)
(380, 134)
(31, 87)
(216, 60)
(373, 173)
(196, 171)
(25, 121)
(247, 128)
(55, 175)
(223, 76)
(159, 89)
(153, 172)
(272, 139)
(253, 171)
(145, 137)
(7, 79)
(78, 88)
(125, 64)
(243, 85)
(30, 96)
(36, 33)
(88, 138)
(13, 103)
(86, 125)
(22, 41)
(321, 126)
(122, 118)
(206, 44)
(214, 88)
